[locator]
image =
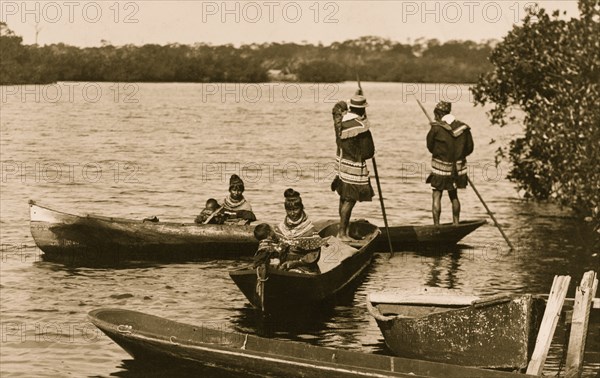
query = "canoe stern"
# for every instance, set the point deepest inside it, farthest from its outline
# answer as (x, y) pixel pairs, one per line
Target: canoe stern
(497, 334)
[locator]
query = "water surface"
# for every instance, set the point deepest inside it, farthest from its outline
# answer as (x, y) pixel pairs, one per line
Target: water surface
(176, 146)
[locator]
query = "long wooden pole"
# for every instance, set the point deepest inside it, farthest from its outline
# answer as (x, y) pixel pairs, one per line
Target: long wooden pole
(548, 325)
(385, 221)
(475, 190)
(584, 295)
(490, 214)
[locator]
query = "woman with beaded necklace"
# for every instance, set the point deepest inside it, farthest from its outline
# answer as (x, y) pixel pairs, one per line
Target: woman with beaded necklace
(235, 205)
(300, 235)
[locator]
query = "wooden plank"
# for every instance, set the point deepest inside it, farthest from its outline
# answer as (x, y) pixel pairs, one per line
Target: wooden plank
(491, 301)
(424, 296)
(556, 299)
(569, 302)
(581, 314)
(424, 299)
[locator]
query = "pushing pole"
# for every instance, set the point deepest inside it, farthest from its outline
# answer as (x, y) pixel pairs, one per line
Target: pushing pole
(385, 221)
(475, 190)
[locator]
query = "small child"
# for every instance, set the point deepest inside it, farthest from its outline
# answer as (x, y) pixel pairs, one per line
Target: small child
(210, 214)
(269, 249)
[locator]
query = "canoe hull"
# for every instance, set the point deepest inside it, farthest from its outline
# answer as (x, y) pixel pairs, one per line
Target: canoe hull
(285, 291)
(97, 240)
(148, 338)
(425, 236)
(85, 240)
(497, 335)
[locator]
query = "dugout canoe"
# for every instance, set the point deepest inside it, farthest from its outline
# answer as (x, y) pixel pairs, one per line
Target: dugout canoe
(339, 265)
(425, 236)
(93, 239)
(149, 338)
(445, 326)
(102, 240)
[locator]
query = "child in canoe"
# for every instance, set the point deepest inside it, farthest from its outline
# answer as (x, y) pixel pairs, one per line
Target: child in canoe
(212, 213)
(269, 249)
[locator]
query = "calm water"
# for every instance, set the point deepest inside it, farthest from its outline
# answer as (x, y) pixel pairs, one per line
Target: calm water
(163, 149)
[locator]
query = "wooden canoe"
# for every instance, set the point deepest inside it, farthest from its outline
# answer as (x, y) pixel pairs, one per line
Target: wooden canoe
(441, 325)
(92, 239)
(425, 236)
(101, 240)
(155, 339)
(339, 266)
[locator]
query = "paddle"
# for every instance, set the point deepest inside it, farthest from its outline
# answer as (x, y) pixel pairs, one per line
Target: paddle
(475, 190)
(387, 228)
(213, 215)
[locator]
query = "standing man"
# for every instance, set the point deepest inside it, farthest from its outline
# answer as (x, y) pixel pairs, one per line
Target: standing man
(354, 147)
(450, 142)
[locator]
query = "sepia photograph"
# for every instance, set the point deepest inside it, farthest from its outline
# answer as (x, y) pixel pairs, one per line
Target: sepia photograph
(308, 188)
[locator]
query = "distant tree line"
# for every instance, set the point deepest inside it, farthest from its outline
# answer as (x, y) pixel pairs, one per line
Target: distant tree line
(376, 59)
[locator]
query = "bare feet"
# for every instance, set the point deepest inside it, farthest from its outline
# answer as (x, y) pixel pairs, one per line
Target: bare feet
(345, 238)
(350, 241)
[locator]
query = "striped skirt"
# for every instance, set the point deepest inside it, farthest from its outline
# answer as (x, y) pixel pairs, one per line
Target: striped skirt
(448, 176)
(352, 181)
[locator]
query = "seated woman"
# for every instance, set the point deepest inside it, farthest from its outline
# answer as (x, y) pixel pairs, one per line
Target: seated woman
(236, 207)
(297, 233)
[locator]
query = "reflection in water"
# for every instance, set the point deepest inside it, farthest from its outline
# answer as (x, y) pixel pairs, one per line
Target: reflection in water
(315, 325)
(434, 277)
(452, 272)
(444, 263)
(172, 181)
(293, 325)
(168, 368)
(550, 242)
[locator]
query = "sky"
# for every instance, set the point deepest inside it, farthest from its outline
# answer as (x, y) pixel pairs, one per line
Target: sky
(88, 23)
